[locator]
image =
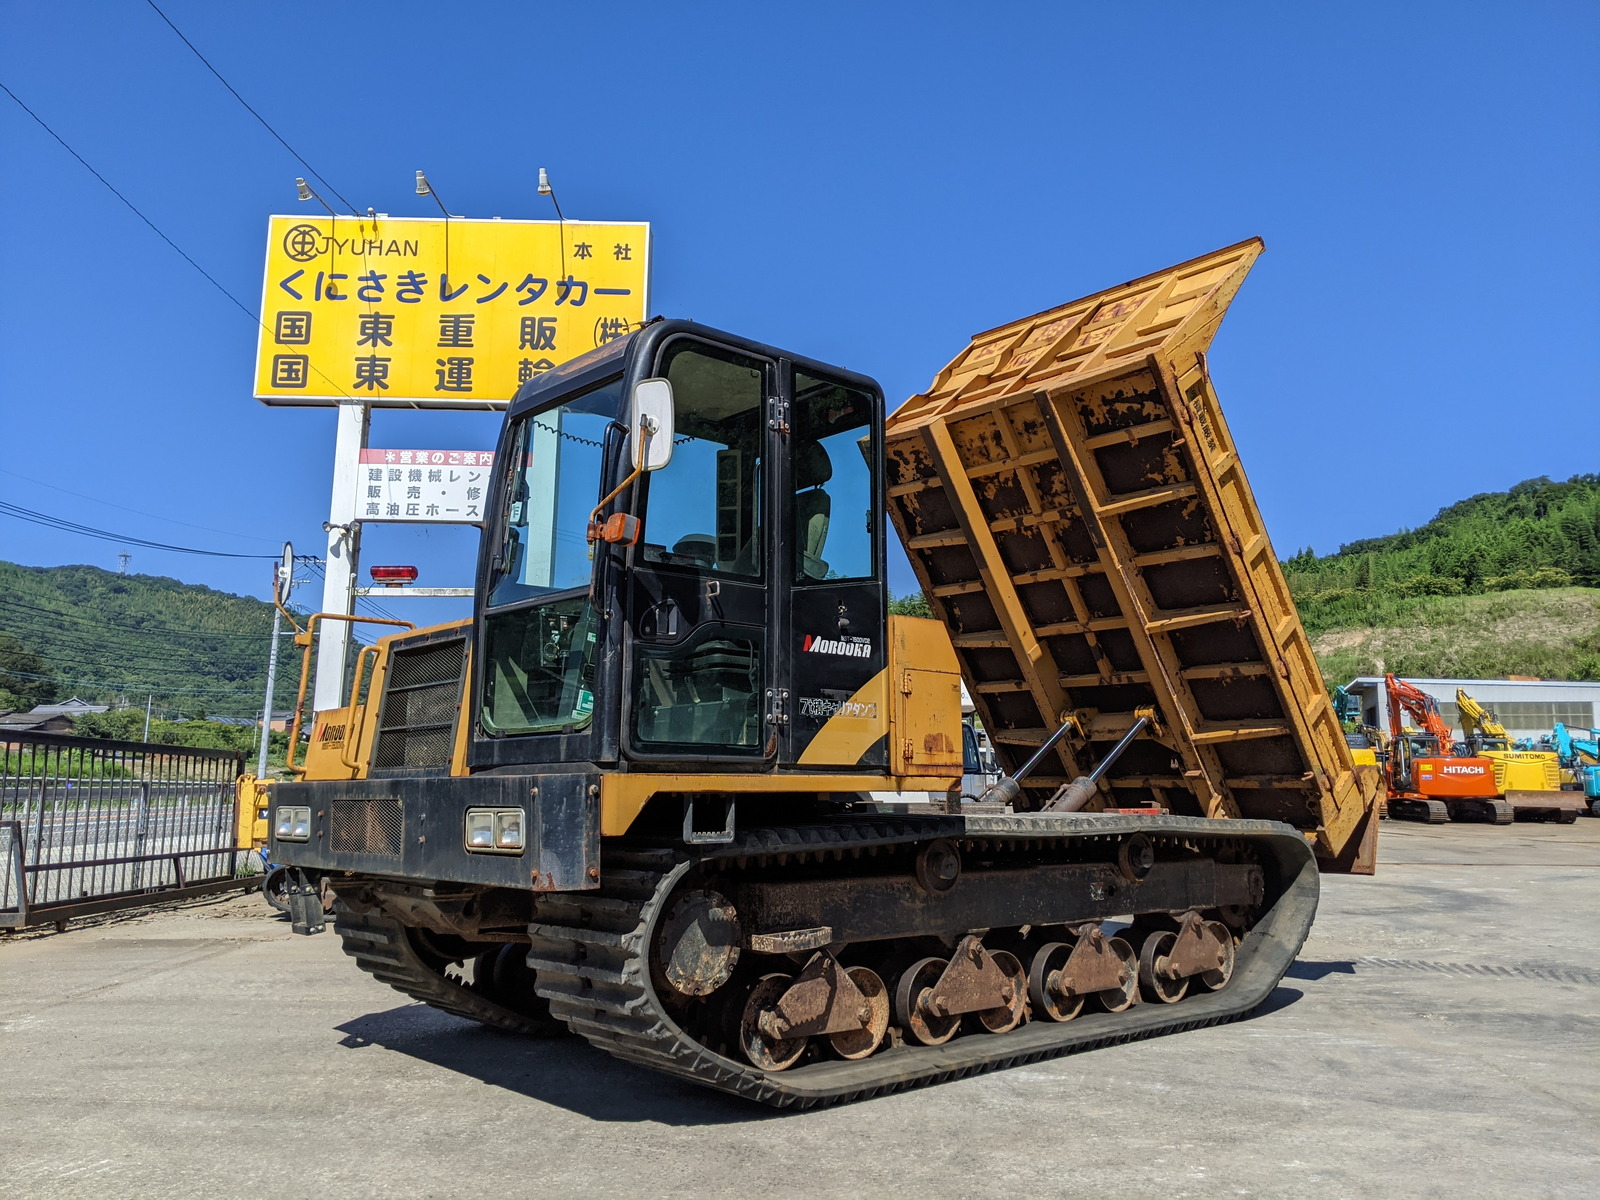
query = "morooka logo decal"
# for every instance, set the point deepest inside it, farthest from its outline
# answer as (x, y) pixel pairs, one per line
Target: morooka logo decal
(847, 647)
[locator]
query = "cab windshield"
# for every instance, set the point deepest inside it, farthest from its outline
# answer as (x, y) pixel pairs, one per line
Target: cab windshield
(556, 464)
(540, 635)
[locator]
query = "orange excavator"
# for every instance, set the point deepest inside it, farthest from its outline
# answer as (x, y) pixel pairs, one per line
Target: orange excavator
(1427, 782)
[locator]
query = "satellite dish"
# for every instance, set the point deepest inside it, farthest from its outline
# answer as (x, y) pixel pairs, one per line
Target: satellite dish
(283, 576)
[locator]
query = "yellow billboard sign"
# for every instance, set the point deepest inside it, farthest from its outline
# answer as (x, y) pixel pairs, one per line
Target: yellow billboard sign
(434, 313)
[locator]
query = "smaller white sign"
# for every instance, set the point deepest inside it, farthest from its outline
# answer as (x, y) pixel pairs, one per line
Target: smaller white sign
(428, 486)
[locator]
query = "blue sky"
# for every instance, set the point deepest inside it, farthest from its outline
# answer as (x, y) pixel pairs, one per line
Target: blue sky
(865, 183)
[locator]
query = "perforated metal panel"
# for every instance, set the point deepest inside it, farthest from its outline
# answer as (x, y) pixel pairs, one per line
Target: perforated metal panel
(421, 704)
(366, 827)
(1074, 507)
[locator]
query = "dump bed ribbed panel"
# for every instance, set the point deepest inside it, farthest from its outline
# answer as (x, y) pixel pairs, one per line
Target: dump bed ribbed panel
(1075, 509)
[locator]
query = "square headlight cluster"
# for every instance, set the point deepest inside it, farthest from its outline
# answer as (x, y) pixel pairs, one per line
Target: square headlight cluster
(294, 823)
(495, 831)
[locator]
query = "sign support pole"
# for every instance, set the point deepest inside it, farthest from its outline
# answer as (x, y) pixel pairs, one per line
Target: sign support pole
(266, 704)
(344, 555)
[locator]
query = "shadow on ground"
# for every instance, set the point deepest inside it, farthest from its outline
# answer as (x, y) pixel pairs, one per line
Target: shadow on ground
(569, 1073)
(1310, 970)
(565, 1071)
(1281, 998)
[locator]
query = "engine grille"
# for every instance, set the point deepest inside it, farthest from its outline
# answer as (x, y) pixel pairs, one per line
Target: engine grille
(421, 701)
(366, 827)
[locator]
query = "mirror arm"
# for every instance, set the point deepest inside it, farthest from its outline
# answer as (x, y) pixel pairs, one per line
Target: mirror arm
(645, 432)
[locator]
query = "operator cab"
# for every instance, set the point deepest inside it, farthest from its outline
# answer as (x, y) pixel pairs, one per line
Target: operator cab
(720, 606)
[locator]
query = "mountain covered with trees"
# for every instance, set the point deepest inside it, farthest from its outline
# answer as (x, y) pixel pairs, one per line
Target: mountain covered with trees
(1502, 583)
(1538, 534)
(118, 639)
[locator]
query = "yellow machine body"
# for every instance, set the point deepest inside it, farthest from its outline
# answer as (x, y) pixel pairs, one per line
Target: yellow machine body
(915, 702)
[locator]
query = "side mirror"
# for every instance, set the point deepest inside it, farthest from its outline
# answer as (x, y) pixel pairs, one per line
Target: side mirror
(650, 406)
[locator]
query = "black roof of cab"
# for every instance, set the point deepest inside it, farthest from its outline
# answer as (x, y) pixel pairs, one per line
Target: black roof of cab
(612, 358)
(591, 367)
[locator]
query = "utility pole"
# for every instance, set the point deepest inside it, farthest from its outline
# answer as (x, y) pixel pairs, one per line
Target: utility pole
(272, 678)
(147, 700)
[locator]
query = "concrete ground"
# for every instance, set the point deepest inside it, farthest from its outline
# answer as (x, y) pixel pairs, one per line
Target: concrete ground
(1438, 1037)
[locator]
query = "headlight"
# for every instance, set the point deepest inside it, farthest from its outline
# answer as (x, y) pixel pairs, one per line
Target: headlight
(294, 823)
(495, 830)
(480, 829)
(508, 829)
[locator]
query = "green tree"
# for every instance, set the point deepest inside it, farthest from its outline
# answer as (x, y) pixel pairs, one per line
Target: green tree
(912, 604)
(25, 678)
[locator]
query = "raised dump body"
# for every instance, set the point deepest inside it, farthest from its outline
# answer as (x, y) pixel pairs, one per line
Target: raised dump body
(1075, 509)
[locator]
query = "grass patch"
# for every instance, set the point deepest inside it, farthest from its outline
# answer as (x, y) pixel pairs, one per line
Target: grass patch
(1552, 633)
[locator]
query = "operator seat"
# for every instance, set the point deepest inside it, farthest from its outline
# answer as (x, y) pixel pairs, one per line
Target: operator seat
(812, 508)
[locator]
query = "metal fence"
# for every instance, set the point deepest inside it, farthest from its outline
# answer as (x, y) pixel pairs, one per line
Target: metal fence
(88, 825)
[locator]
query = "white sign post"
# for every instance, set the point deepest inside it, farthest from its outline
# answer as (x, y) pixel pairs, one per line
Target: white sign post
(344, 555)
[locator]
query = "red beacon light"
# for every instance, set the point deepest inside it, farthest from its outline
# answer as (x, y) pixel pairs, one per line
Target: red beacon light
(394, 576)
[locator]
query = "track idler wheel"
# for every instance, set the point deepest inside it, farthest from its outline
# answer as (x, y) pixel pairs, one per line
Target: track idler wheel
(912, 1007)
(1154, 975)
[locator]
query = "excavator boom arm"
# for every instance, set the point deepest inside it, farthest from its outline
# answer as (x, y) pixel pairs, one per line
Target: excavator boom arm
(1424, 709)
(1476, 719)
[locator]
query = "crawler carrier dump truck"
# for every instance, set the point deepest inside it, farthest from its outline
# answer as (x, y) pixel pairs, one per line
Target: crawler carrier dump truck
(632, 796)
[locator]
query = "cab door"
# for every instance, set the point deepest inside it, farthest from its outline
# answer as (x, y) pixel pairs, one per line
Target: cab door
(831, 555)
(700, 606)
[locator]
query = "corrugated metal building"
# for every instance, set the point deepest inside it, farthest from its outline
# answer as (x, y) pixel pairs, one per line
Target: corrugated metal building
(1526, 707)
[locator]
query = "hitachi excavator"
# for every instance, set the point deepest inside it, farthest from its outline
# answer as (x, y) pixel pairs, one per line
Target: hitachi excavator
(631, 798)
(1528, 780)
(1426, 780)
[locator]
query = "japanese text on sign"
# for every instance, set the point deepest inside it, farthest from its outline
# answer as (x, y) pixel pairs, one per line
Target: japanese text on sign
(421, 313)
(435, 486)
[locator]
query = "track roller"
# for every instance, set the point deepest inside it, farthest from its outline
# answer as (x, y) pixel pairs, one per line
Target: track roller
(1197, 949)
(1063, 975)
(933, 994)
(848, 1006)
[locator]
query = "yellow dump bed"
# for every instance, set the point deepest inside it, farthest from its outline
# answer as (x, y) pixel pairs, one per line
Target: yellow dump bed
(1075, 509)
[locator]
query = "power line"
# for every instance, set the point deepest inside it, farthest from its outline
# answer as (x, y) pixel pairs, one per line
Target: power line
(249, 537)
(131, 686)
(131, 656)
(125, 648)
(310, 170)
(105, 535)
(131, 206)
(75, 659)
(100, 655)
(237, 303)
(100, 622)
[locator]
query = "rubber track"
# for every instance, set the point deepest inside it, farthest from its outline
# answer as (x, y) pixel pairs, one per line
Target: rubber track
(590, 952)
(382, 949)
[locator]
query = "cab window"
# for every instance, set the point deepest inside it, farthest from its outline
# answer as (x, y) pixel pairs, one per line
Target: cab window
(704, 508)
(831, 459)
